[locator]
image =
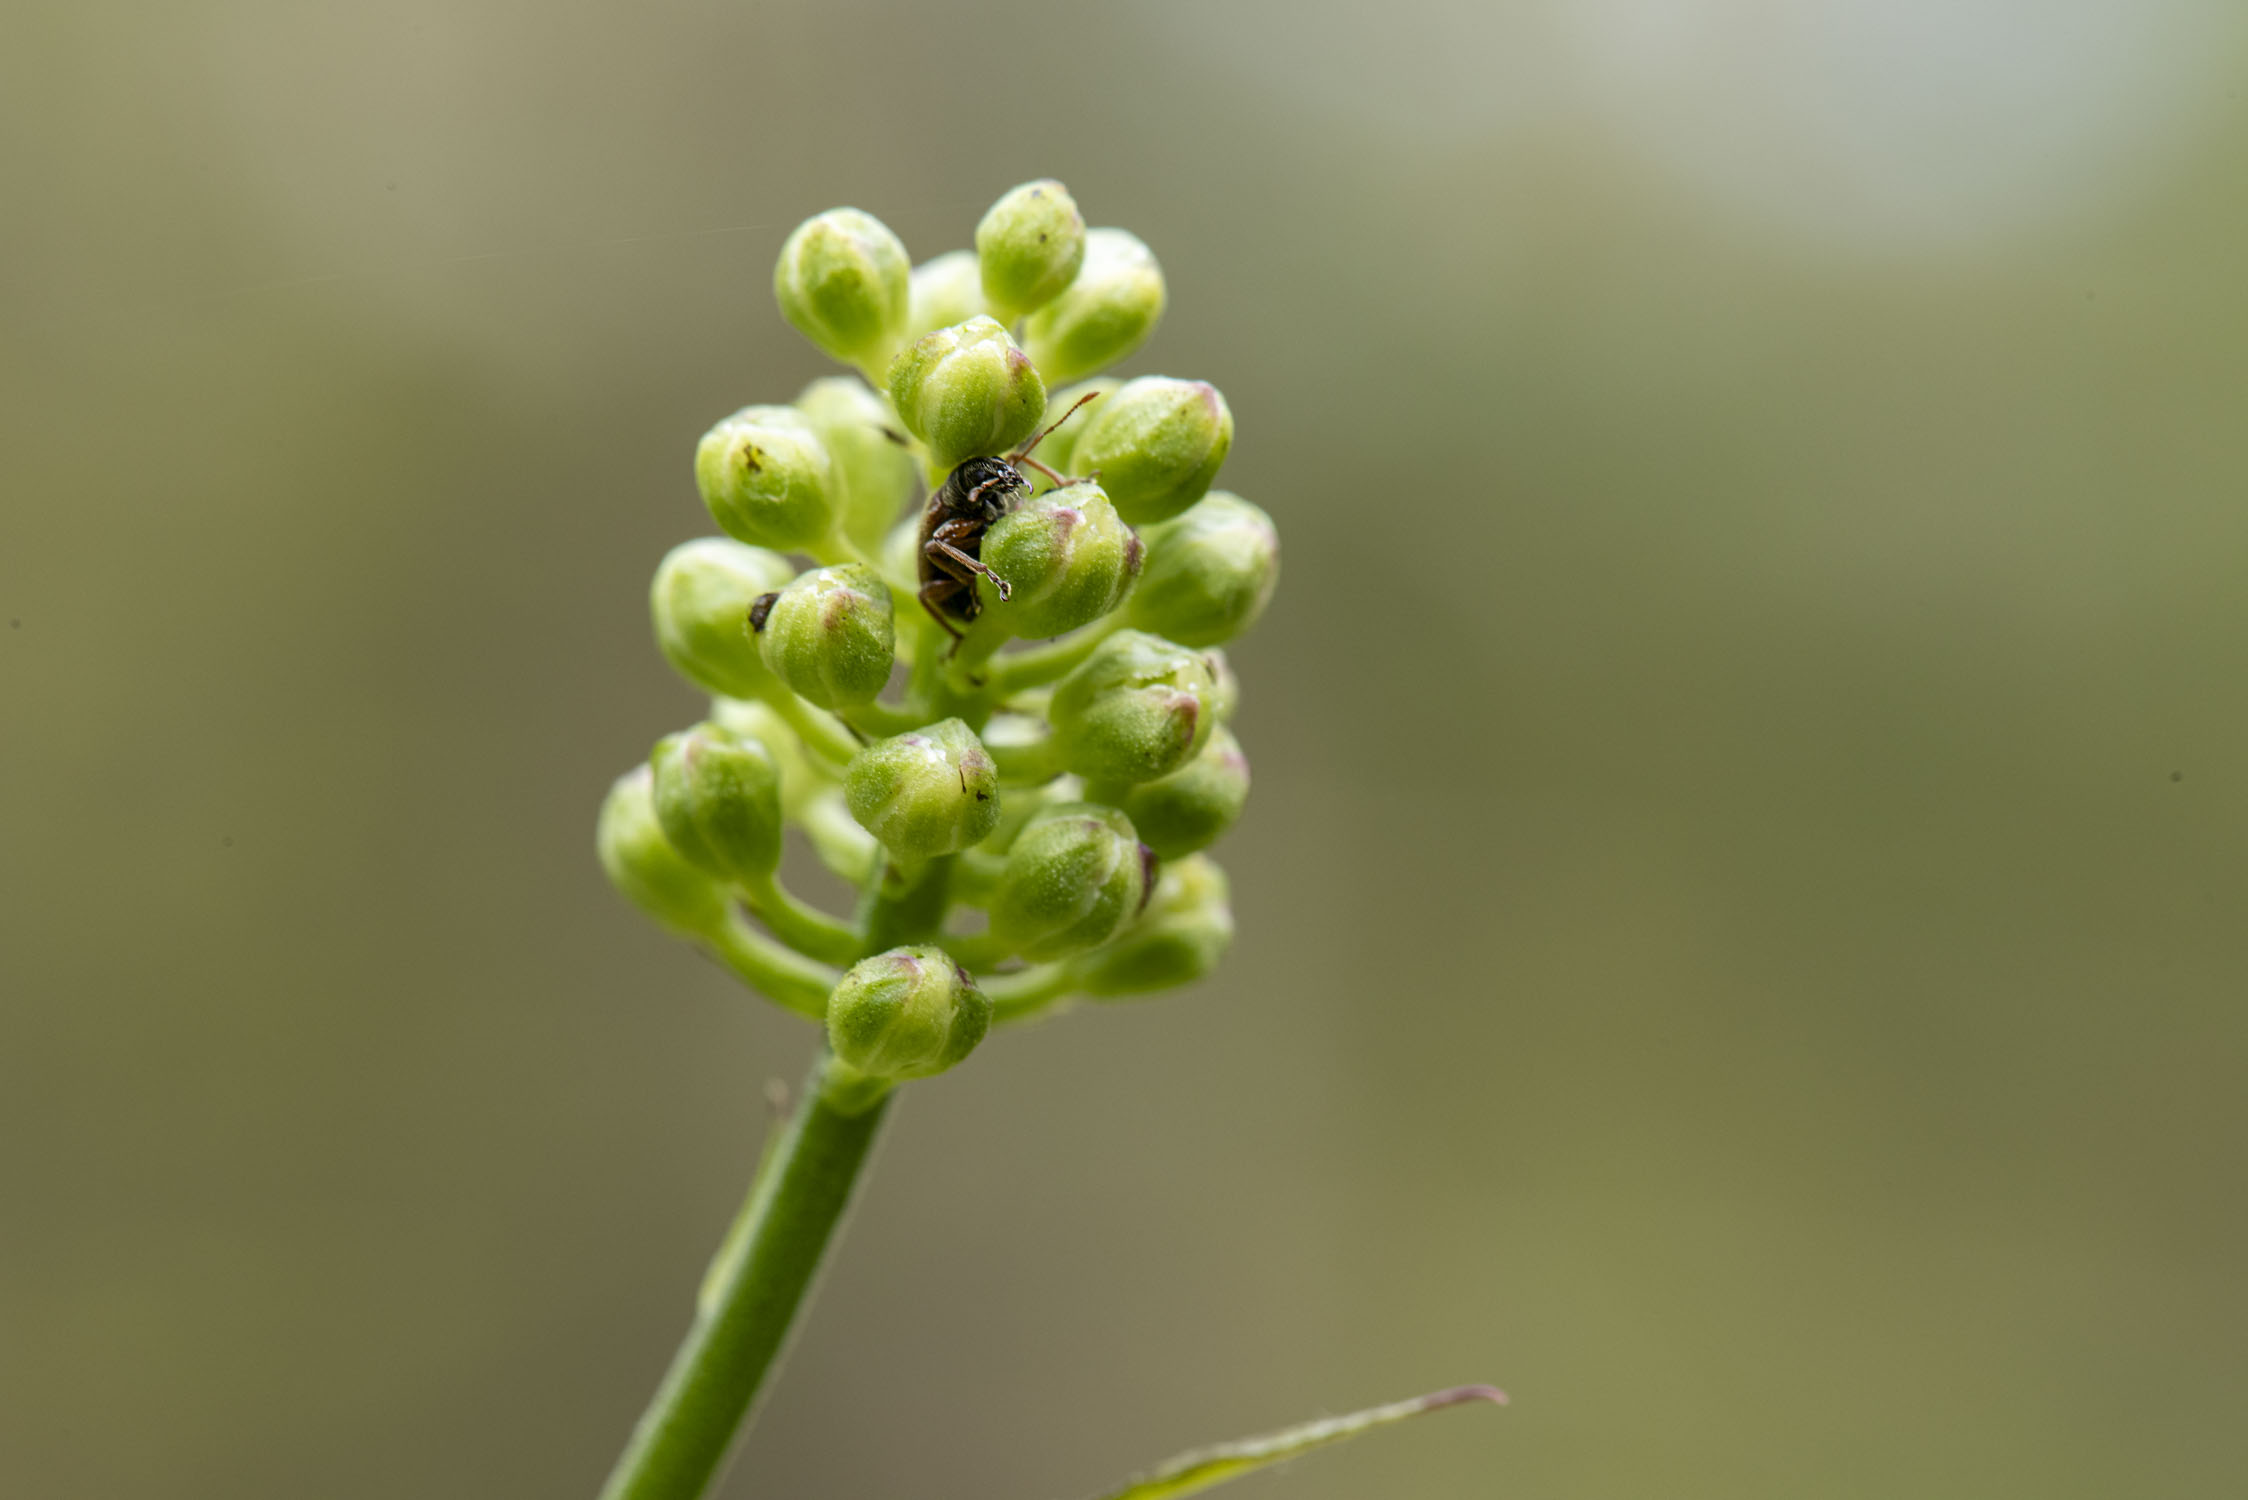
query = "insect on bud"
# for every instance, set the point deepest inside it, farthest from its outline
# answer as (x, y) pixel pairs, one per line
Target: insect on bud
(1029, 247)
(1179, 938)
(946, 289)
(929, 792)
(1105, 315)
(1155, 445)
(700, 602)
(841, 281)
(967, 392)
(828, 635)
(718, 801)
(873, 472)
(1190, 808)
(764, 473)
(907, 1013)
(644, 867)
(1067, 559)
(1075, 875)
(1210, 572)
(1139, 707)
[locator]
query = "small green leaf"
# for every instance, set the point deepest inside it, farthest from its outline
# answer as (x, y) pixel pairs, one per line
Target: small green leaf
(1191, 1473)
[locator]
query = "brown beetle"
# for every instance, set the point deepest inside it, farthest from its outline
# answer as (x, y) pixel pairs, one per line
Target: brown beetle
(953, 523)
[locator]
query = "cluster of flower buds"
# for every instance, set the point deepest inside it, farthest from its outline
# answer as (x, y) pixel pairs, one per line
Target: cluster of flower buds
(963, 633)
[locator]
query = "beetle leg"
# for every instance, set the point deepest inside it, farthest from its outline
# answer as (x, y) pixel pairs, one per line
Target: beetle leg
(935, 591)
(942, 549)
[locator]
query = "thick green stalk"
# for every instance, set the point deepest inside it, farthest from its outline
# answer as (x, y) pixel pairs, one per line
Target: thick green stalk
(754, 1294)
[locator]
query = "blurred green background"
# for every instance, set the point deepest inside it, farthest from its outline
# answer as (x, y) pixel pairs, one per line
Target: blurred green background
(1741, 917)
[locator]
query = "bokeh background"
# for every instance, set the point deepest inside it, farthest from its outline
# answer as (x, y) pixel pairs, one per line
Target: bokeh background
(1741, 917)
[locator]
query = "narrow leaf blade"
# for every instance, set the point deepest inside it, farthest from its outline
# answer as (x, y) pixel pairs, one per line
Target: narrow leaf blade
(1191, 1473)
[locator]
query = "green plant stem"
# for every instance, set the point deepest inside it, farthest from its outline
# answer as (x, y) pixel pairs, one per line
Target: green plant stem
(978, 950)
(822, 733)
(879, 720)
(1027, 993)
(842, 845)
(759, 1285)
(803, 927)
(1048, 660)
(787, 977)
(1027, 763)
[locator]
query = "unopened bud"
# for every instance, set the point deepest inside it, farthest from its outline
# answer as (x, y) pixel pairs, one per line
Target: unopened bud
(1188, 809)
(1105, 315)
(1139, 707)
(1210, 572)
(841, 280)
(873, 471)
(1155, 445)
(946, 289)
(928, 792)
(1029, 247)
(700, 602)
(764, 473)
(828, 635)
(1066, 557)
(907, 1013)
(718, 800)
(1075, 875)
(1179, 938)
(644, 867)
(803, 777)
(1227, 696)
(967, 392)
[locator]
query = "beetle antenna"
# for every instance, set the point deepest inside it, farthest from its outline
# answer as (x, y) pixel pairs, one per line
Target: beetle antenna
(1059, 481)
(1024, 452)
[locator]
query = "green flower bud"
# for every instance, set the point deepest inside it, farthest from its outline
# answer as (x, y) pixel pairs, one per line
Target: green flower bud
(764, 473)
(1209, 573)
(947, 289)
(1228, 695)
(1106, 314)
(828, 635)
(1137, 708)
(929, 792)
(718, 800)
(645, 868)
(967, 392)
(1155, 445)
(802, 777)
(1188, 809)
(1179, 938)
(907, 1013)
(1029, 247)
(1060, 445)
(1066, 557)
(841, 281)
(700, 601)
(901, 555)
(1076, 874)
(873, 471)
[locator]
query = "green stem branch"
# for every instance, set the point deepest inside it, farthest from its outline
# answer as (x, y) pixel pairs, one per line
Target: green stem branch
(786, 977)
(1048, 660)
(801, 925)
(822, 733)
